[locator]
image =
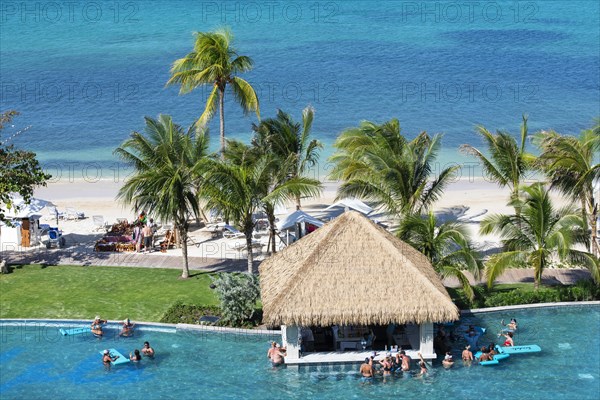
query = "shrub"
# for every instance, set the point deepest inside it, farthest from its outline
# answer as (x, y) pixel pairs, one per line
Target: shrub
(180, 313)
(238, 294)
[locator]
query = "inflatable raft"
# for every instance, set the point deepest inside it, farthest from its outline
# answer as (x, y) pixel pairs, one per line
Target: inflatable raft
(529, 348)
(74, 331)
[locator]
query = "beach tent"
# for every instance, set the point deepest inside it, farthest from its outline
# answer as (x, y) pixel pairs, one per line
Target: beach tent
(25, 229)
(21, 210)
(297, 217)
(353, 204)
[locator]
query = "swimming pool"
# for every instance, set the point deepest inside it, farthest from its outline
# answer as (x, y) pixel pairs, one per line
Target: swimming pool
(37, 363)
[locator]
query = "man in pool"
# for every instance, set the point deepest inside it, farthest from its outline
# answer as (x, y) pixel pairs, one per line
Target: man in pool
(277, 358)
(97, 325)
(147, 350)
(405, 361)
(127, 328)
(107, 359)
(366, 369)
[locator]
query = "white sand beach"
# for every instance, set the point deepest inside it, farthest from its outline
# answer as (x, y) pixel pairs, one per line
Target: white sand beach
(466, 200)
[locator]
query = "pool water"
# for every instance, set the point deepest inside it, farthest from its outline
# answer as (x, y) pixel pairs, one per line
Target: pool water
(37, 363)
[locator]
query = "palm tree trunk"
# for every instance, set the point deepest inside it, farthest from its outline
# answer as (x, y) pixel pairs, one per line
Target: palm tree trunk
(593, 223)
(539, 270)
(250, 254)
(298, 205)
(222, 121)
(185, 273)
(272, 233)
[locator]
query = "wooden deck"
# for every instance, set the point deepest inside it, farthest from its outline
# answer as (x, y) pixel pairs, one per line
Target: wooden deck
(347, 357)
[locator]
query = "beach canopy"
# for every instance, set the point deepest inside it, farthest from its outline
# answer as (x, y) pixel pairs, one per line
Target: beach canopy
(297, 217)
(21, 210)
(352, 272)
(353, 204)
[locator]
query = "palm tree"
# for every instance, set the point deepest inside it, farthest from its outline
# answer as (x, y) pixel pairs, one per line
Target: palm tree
(215, 61)
(447, 245)
(536, 236)
(167, 163)
(239, 190)
(377, 163)
(508, 161)
(571, 164)
(290, 142)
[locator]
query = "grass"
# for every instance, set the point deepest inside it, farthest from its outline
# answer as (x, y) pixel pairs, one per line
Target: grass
(115, 293)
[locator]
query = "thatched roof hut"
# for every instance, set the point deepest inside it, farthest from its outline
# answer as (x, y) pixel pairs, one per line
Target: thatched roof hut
(352, 272)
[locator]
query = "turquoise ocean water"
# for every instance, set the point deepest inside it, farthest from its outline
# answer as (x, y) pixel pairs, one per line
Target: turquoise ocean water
(84, 74)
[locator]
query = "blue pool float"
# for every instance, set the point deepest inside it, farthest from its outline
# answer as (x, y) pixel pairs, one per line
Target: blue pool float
(495, 361)
(529, 348)
(113, 353)
(74, 331)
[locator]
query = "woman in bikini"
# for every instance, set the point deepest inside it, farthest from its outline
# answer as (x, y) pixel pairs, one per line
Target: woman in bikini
(509, 339)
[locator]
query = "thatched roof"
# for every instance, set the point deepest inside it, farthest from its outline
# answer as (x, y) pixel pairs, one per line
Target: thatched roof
(352, 272)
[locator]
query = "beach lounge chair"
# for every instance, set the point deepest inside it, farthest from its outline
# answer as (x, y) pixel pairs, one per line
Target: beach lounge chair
(230, 232)
(53, 213)
(73, 214)
(100, 224)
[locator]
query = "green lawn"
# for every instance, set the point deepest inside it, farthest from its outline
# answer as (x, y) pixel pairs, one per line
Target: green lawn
(142, 294)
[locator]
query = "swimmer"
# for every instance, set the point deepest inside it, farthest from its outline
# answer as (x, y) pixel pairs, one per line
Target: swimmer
(423, 365)
(405, 361)
(509, 342)
(147, 350)
(386, 365)
(136, 356)
(107, 359)
(277, 358)
(97, 325)
(272, 350)
(127, 328)
(366, 369)
(467, 354)
(448, 361)
(485, 356)
(512, 325)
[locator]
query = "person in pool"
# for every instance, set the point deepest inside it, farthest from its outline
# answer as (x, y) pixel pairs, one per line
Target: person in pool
(386, 365)
(147, 350)
(278, 357)
(467, 354)
(366, 369)
(485, 355)
(509, 342)
(422, 365)
(107, 359)
(405, 361)
(136, 356)
(512, 325)
(97, 325)
(127, 328)
(448, 362)
(272, 350)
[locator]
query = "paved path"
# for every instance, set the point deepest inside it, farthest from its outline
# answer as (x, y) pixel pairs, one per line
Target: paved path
(125, 259)
(84, 256)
